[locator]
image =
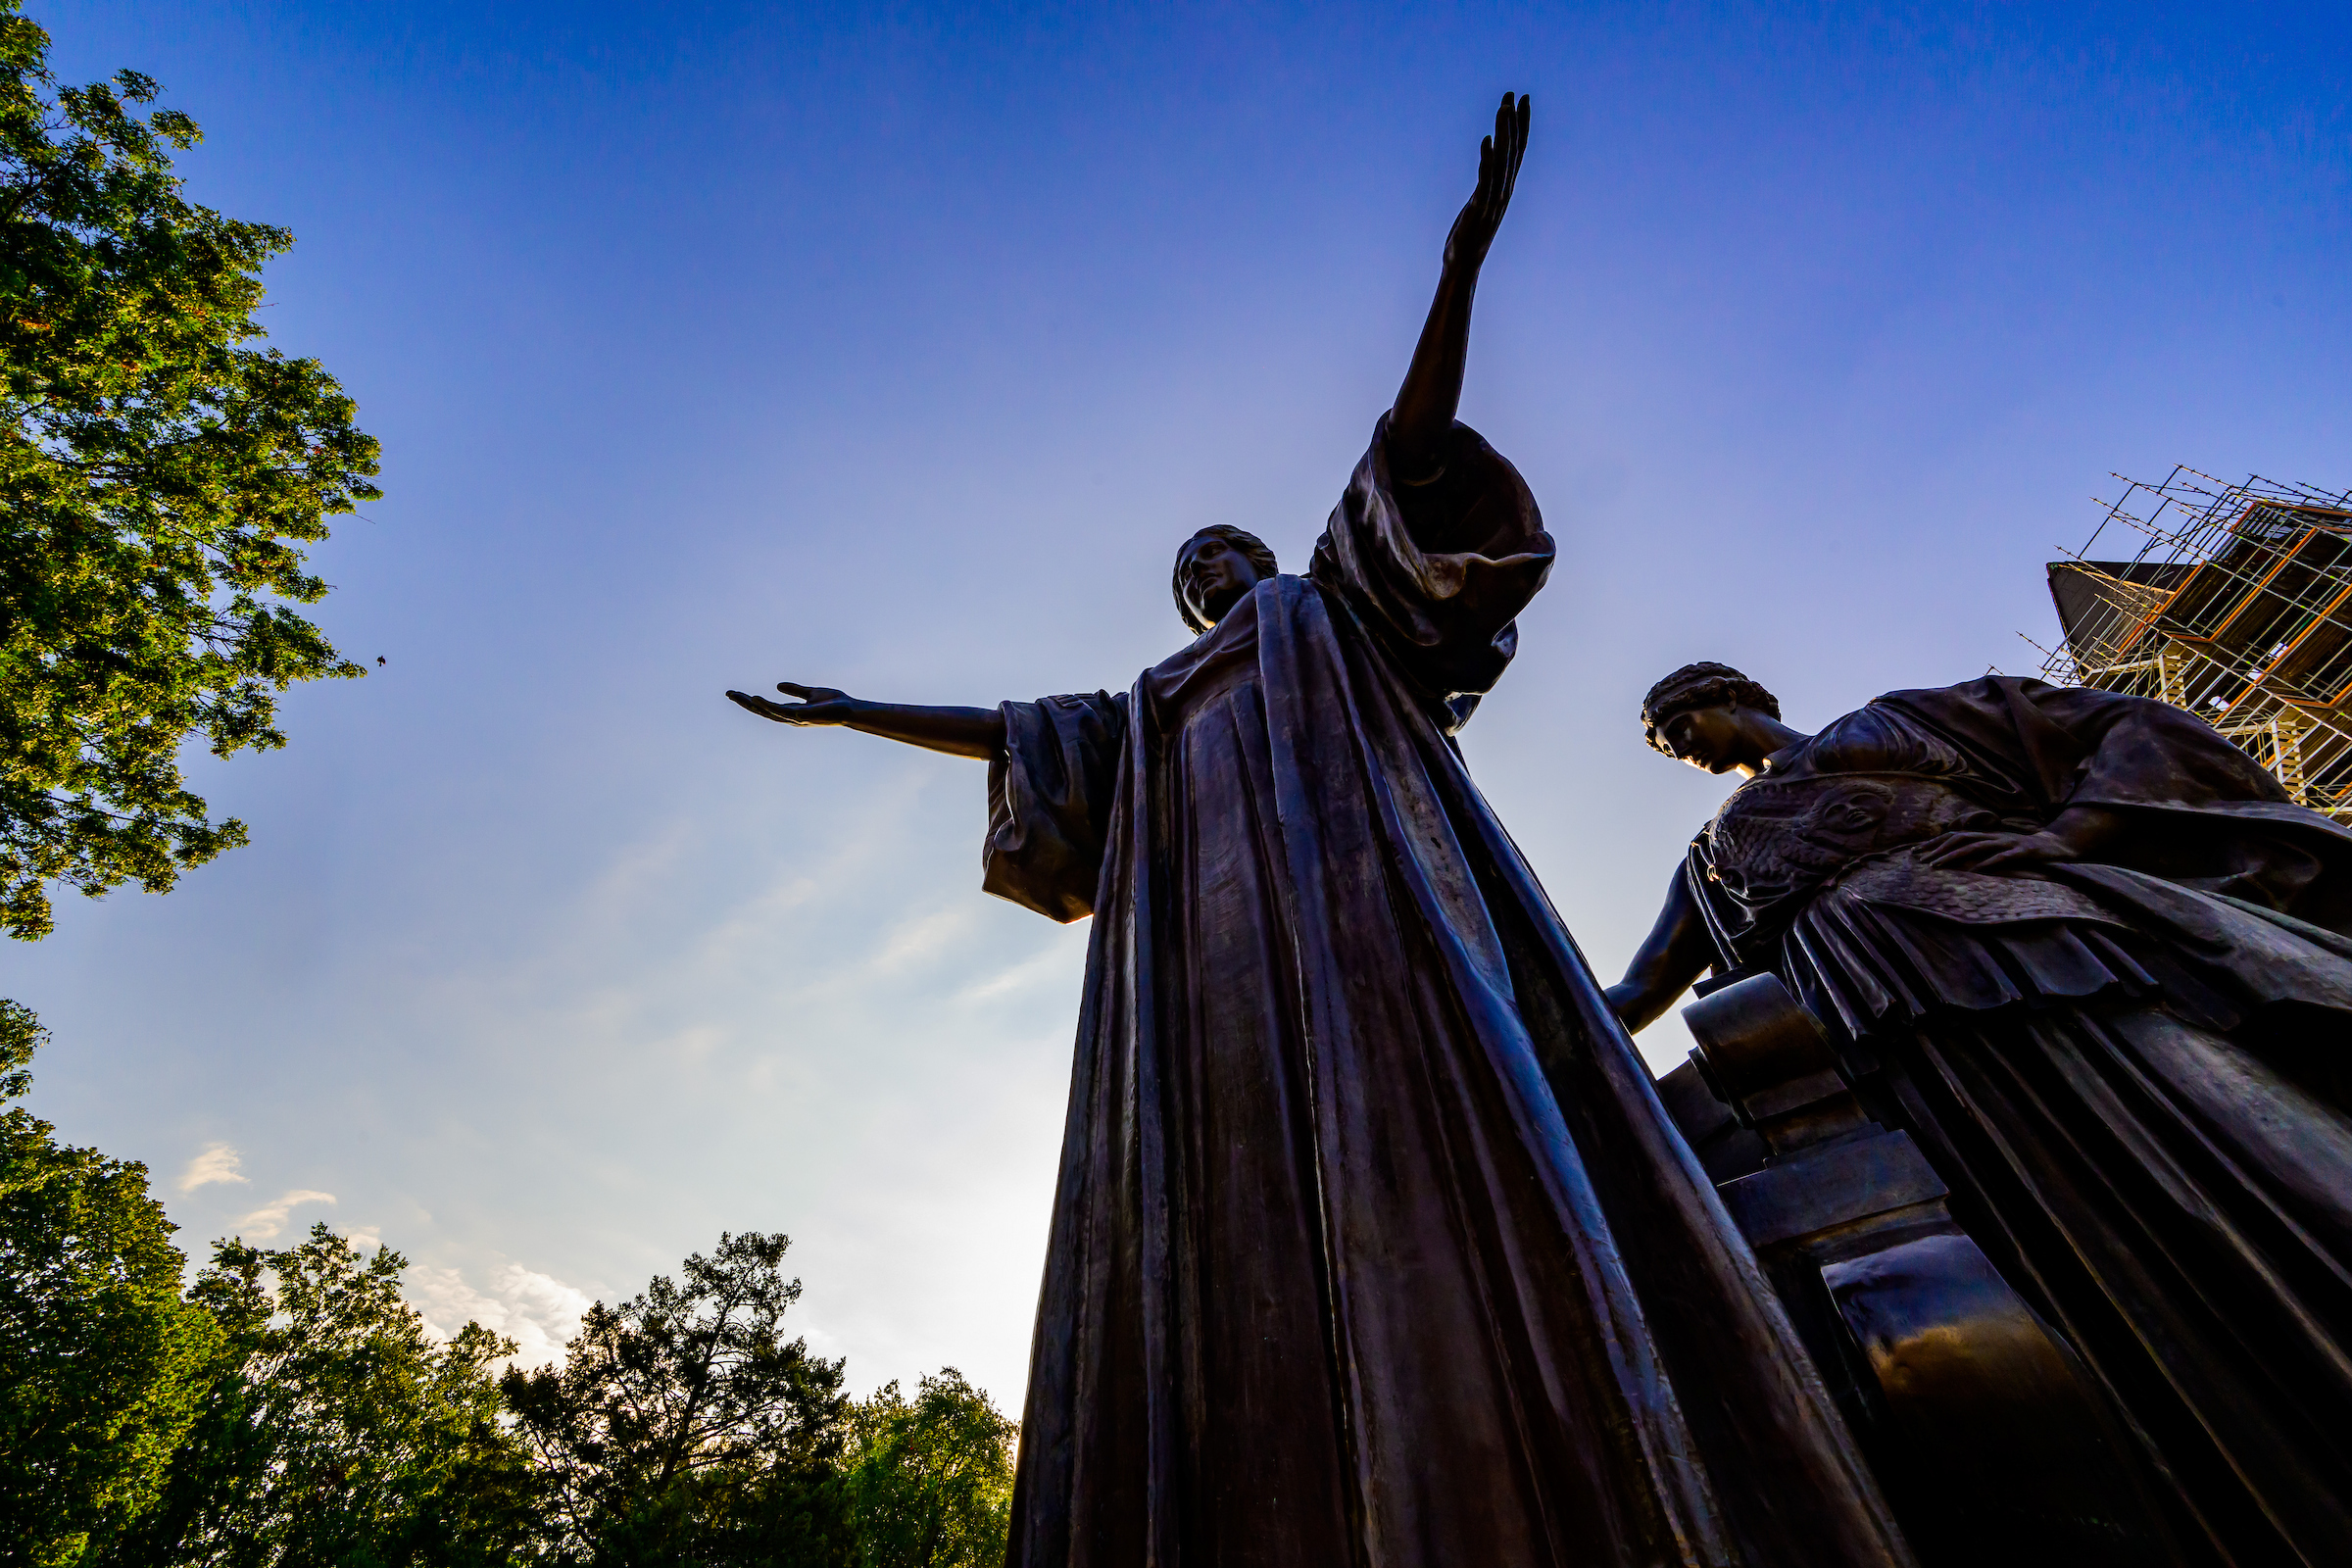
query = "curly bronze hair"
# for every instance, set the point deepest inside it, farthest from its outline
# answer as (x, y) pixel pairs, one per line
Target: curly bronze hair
(1705, 684)
(1252, 549)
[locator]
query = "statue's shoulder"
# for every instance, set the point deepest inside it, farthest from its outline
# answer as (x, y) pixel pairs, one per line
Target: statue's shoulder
(1885, 735)
(1986, 689)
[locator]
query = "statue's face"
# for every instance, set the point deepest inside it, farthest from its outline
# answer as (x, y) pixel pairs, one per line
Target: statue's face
(1704, 737)
(1215, 576)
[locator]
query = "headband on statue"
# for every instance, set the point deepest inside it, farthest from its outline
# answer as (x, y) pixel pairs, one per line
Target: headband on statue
(1705, 684)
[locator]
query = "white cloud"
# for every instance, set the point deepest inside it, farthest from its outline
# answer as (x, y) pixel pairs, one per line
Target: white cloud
(537, 1311)
(216, 1162)
(1062, 962)
(694, 1045)
(264, 1222)
(925, 938)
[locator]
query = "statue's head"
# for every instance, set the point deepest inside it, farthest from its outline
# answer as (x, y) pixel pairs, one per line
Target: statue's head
(1215, 570)
(1692, 716)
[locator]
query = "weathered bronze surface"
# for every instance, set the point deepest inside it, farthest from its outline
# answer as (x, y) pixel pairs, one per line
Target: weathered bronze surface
(1992, 1439)
(1372, 1244)
(2087, 955)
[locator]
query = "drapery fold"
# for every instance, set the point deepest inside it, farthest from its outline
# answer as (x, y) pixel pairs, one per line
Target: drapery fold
(2134, 1075)
(1372, 1244)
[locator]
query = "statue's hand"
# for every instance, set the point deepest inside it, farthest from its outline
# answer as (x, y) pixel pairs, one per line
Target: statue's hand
(1997, 852)
(818, 705)
(1499, 158)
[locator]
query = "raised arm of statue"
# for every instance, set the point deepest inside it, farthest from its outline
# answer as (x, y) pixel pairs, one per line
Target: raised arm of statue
(1432, 386)
(977, 732)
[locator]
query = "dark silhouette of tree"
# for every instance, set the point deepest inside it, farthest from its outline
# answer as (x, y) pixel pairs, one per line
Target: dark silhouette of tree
(683, 1427)
(102, 1364)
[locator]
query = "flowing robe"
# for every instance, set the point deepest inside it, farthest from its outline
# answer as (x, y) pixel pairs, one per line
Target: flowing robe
(2132, 1074)
(1372, 1246)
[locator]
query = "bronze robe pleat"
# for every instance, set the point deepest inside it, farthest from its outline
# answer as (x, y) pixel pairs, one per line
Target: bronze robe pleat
(1372, 1245)
(2132, 1075)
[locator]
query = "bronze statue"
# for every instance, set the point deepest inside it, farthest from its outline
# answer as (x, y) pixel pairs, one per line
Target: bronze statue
(2094, 959)
(1372, 1244)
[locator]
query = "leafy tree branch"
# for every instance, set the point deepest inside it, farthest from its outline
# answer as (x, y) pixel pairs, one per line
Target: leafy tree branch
(160, 474)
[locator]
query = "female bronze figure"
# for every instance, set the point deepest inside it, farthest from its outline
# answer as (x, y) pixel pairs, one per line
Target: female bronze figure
(2097, 963)
(1335, 1278)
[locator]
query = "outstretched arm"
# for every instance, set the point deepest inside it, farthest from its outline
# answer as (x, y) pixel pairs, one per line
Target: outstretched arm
(1432, 386)
(1675, 953)
(958, 731)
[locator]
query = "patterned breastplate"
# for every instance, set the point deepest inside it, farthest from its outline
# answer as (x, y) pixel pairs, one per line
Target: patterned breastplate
(1776, 846)
(1778, 839)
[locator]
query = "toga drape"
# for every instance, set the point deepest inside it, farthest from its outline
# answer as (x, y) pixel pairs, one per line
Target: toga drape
(2132, 1074)
(1372, 1246)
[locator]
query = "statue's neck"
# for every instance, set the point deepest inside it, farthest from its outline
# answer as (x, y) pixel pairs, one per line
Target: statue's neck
(1772, 741)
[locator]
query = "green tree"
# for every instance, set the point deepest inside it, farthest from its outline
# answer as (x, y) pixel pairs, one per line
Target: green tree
(334, 1430)
(101, 1361)
(683, 1427)
(159, 476)
(932, 1476)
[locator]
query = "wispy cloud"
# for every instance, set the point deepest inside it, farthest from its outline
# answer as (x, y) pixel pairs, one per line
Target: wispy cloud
(537, 1311)
(922, 939)
(268, 1220)
(1062, 962)
(217, 1162)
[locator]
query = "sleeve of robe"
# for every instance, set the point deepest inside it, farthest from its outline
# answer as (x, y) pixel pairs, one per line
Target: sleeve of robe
(1048, 801)
(2202, 812)
(1439, 570)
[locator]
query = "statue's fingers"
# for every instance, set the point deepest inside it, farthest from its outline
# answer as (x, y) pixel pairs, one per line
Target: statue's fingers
(1518, 151)
(791, 688)
(752, 704)
(1509, 146)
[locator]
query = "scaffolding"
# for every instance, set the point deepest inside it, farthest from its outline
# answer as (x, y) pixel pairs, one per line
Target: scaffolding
(2236, 605)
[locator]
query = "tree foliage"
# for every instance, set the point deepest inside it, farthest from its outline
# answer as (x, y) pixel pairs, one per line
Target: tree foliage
(290, 1409)
(159, 476)
(335, 1429)
(102, 1363)
(683, 1427)
(932, 1476)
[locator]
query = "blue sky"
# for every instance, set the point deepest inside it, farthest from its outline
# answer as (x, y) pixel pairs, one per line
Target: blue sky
(895, 349)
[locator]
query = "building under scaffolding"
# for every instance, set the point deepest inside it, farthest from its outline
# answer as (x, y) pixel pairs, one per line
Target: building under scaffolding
(2236, 605)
